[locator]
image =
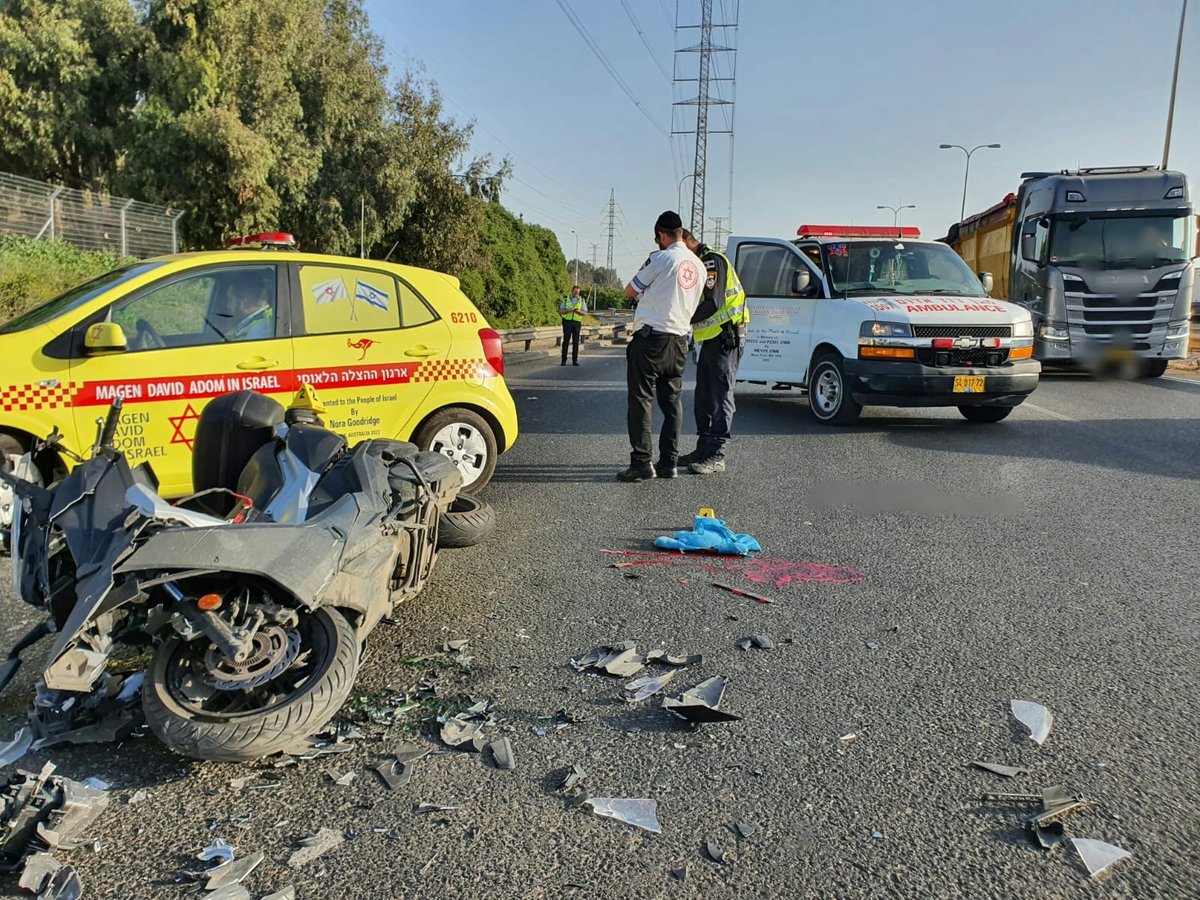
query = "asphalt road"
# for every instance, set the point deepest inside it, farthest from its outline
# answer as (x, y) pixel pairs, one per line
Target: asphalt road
(1050, 558)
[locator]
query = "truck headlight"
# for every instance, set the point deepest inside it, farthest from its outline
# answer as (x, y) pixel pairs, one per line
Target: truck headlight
(1051, 332)
(1023, 329)
(885, 329)
(1177, 330)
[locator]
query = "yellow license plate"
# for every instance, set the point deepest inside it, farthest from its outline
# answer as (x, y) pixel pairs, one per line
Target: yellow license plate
(968, 384)
(1116, 357)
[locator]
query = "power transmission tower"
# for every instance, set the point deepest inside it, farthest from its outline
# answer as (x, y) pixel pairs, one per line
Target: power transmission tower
(705, 81)
(611, 215)
(719, 231)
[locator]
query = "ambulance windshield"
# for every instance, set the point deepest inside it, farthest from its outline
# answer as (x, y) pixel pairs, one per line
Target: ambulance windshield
(898, 267)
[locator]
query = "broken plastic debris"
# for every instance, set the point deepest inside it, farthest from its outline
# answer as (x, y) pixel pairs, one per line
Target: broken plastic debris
(680, 874)
(38, 870)
(229, 892)
(621, 660)
(872, 645)
(699, 704)
(648, 686)
(674, 659)
(395, 773)
(741, 592)
(341, 778)
(409, 752)
(502, 754)
(287, 893)
(233, 872)
(998, 769)
(218, 849)
(851, 737)
(573, 778)
(638, 813)
(878, 835)
(457, 732)
(315, 845)
(423, 808)
(761, 641)
(743, 829)
(1098, 855)
(64, 885)
(137, 796)
(713, 852)
(96, 784)
(454, 646)
(16, 748)
(1035, 717)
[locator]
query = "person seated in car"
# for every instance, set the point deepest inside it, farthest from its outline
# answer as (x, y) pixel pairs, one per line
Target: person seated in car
(250, 305)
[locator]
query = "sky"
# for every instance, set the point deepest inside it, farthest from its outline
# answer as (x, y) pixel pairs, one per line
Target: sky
(837, 107)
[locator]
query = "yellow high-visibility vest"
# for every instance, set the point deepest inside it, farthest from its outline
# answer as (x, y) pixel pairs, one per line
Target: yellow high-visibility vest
(733, 310)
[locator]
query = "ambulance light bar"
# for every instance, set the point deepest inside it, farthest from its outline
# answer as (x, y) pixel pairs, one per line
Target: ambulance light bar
(905, 231)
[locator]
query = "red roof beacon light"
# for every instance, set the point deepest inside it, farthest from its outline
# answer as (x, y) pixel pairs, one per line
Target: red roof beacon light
(866, 231)
(266, 240)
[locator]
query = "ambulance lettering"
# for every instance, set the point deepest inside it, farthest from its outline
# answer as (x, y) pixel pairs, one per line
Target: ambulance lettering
(109, 392)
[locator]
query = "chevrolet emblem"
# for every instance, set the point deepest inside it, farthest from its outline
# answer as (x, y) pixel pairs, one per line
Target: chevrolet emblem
(965, 343)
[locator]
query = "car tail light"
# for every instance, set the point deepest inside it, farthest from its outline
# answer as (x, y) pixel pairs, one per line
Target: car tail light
(493, 348)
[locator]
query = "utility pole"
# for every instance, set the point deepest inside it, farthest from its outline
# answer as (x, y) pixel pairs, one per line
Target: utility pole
(592, 292)
(718, 231)
(611, 215)
(1174, 85)
(704, 99)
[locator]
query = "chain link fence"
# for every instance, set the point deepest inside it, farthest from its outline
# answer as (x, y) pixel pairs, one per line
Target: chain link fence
(87, 220)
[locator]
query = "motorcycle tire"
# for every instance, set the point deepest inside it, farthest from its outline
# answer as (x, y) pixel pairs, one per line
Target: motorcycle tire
(468, 521)
(251, 735)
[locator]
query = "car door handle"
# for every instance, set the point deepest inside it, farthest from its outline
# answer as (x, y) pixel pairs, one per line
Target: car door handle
(258, 363)
(421, 351)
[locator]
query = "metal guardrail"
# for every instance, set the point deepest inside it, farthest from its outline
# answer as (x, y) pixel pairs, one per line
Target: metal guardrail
(85, 219)
(524, 340)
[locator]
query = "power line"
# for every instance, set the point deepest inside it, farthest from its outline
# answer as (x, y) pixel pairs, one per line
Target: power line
(667, 14)
(595, 48)
(645, 42)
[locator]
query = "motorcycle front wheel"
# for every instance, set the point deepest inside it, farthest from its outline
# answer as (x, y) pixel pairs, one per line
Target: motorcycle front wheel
(202, 705)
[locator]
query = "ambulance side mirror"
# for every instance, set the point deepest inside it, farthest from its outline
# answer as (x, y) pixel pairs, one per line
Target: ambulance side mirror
(104, 337)
(801, 281)
(988, 282)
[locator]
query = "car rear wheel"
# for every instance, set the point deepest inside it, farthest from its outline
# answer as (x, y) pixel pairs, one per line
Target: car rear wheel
(985, 413)
(464, 437)
(828, 397)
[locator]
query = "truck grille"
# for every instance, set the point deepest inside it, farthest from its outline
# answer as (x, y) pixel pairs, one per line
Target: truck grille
(984, 357)
(953, 331)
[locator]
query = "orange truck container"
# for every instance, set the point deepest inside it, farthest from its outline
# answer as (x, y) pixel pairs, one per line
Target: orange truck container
(984, 241)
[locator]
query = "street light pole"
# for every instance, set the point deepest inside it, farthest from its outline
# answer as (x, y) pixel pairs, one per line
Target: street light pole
(679, 191)
(576, 233)
(898, 214)
(1174, 85)
(966, 174)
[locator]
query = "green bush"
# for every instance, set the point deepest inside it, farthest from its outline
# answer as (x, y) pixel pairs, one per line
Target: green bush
(32, 272)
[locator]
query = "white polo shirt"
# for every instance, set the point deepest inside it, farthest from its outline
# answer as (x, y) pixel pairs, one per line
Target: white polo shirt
(670, 286)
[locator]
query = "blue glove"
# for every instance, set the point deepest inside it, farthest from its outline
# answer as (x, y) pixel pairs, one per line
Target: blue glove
(710, 534)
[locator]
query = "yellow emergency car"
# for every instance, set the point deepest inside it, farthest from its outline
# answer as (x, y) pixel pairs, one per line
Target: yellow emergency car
(393, 351)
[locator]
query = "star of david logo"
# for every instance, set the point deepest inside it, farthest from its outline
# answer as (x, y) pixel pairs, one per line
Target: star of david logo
(178, 423)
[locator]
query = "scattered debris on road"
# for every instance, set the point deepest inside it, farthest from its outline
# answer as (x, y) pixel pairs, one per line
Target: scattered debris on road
(1034, 717)
(674, 659)
(1002, 770)
(574, 777)
(741, 592)
(502, 754)
(343, 779)
(395, 773)
(218, 849)
(700, 704)
(37, 872)
(1098, 855)
(16, 748)
(423, 808)
(743, 829)
(715, 853)
(233, 872)
(638, 813)
(761, 641)
(315, 845)
(644, 688)
(63, 885)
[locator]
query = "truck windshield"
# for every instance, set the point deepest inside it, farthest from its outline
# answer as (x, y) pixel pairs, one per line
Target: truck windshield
(898, 267)
(1126, 242)
(74, 298)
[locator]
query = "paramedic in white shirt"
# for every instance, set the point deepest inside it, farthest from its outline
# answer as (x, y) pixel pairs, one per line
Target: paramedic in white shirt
(668, 289)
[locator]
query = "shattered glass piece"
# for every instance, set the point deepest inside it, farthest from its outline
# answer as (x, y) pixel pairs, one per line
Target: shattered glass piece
(38, 870)
(573, 778)
(344, 779)
(713, 852)
(64, 885)
(138, 796)
(395, 773)
(761, 641)
(1035, 717)
(457, 732)
(287, 893)
(622, 663)
(16, 748)
(674, 659)
(1098, 855)
(218, 849)
(314, 846)
(589, 659)
(878, 835)
(502, 754)
(638, 813)
(642, 688)
(1056, 796)
(422, 808)
(1002, 770)
(744, 830)
(455, 646)
(233, 872)
(229, 892)
(699, 704)
(96, 784)
(475, 709)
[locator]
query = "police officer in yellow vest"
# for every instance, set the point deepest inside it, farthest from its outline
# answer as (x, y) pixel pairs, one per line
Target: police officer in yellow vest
(572, 310)
(719, 327)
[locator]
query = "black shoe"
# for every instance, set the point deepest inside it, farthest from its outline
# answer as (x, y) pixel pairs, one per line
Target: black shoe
(666, 471)
(575, 363)
(688, 458)
(563, 363)
(636, 473)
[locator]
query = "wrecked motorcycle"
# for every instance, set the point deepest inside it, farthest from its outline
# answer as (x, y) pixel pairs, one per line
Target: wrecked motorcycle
(257, 592)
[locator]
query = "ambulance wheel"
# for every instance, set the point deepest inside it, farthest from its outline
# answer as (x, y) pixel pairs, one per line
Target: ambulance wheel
(1153, 368)
(468, 521)
(828, 398)
(985, 413)
(464, 437)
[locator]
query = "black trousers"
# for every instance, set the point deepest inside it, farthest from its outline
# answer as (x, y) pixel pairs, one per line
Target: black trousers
(716, 375)
(571, 335)
(654, 368)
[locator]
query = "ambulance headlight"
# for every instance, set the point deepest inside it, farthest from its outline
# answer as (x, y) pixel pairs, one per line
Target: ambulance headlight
(1023, 329)
(885, 329)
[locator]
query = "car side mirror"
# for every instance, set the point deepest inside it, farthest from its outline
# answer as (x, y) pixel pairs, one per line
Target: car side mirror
(104, 337)
(801, 281)
(988, 282)
(1029, 247)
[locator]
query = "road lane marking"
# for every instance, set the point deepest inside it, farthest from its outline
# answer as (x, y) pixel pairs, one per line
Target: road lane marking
(1049, 412)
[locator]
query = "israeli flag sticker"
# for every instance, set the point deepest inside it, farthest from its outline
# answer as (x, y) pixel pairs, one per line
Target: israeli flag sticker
(373, 296)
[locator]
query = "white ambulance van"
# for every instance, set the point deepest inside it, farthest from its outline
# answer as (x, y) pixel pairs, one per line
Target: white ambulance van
(860, 316)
